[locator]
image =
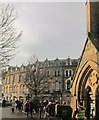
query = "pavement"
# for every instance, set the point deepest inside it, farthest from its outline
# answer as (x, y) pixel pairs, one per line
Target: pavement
(6, 114)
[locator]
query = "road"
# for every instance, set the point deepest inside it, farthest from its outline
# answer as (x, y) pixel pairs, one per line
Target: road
(7, 113)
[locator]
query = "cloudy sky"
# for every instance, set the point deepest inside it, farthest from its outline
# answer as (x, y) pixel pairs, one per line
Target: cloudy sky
(50, 30)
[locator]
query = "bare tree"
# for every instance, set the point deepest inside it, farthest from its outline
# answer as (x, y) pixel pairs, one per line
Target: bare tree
(32, 59)
(35, 80)
(9, 37)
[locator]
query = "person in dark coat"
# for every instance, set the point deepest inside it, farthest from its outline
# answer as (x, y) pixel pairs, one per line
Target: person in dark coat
(4, 103)
(50, 109)
(27, 108)
(20, 106)
(16, 104)
(31, 108)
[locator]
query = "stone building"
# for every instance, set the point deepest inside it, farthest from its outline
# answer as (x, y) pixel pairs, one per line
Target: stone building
(13, 85)
(85, 86)
(57, 74)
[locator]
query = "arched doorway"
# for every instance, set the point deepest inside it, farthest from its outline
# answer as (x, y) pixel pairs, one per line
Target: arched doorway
(86, 76)
(97, 103)
(88, 102)
(82, 88)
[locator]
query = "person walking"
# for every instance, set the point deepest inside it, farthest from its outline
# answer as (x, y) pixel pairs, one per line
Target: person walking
(13, 106)
(50, 109)
(27, 108)
(16, 104)
(20, 106)
(4, 103)
(31, 108)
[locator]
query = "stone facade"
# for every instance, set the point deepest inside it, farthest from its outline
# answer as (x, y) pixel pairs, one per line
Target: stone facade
(92, 16)
(13, 85)
(86, 78)
(57, 74)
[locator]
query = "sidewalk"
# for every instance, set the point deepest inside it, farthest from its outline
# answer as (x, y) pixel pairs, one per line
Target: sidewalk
(7, 113)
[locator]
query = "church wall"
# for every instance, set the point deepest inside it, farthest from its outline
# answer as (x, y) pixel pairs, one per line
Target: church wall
(90, 53)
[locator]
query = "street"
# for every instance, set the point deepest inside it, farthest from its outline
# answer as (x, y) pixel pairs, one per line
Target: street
(0, 113)
(7, 113)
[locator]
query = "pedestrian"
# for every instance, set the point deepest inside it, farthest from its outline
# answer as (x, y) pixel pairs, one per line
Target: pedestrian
(20, 106)
(16, 105)
(27, 108)
(56, 106)
(13, 106)
(50, 109)
(31, 108)
(4, 103)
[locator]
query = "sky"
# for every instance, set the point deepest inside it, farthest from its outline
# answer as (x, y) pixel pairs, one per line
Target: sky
(50, 30)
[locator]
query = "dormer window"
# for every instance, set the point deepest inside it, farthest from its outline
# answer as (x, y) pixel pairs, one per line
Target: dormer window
(46, 63)
(57, 62)
(16, 68)
(22, 68)
(68, 61)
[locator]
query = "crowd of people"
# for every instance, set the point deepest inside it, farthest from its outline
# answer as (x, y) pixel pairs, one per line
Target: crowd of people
(18, 105)
(46, 108)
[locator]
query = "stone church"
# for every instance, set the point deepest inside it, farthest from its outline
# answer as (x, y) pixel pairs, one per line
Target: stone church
(86, 79)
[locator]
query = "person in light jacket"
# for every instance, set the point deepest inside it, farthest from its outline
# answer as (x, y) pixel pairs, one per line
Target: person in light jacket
(13, 106)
